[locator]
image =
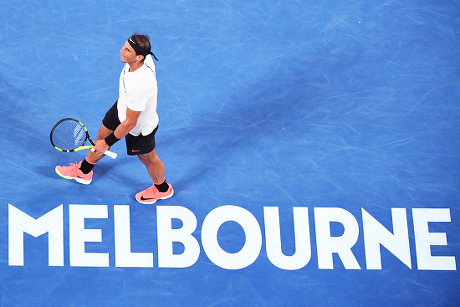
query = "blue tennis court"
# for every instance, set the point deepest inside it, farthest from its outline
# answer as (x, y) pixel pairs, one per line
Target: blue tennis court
(312, 145)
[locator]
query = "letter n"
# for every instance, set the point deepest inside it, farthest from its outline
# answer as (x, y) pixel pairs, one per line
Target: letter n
(376, 235)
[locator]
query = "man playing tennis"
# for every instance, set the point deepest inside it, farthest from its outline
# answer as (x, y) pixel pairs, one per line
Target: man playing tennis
(133, 117)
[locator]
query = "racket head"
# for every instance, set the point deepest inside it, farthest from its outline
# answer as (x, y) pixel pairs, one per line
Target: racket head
(68, 135)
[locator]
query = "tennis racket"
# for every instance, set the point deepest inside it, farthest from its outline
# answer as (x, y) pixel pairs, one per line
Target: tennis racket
(70, 135)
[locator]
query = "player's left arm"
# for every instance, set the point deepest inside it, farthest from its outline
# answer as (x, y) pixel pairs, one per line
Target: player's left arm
(128, 124)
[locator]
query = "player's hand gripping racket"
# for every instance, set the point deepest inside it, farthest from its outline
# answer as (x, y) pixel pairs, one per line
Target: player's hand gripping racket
(70, 135)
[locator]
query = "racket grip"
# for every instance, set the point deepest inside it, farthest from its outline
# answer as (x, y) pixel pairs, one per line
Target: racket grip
(109, 153)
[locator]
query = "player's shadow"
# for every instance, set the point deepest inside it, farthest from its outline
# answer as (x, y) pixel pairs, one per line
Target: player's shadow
(264, 109)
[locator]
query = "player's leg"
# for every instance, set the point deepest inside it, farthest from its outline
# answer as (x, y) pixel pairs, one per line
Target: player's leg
(154, 166)
(103, 132)
(109, 124)
(144, 148)
(82, 172)
(93, 157)
(160, 188)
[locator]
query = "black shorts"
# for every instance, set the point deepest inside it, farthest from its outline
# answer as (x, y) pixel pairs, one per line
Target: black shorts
(135, 145)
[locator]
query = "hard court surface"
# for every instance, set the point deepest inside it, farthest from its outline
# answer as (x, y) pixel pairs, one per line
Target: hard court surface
(351, 106)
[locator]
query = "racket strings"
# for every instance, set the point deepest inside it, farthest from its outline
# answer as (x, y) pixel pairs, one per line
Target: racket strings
(68, 135)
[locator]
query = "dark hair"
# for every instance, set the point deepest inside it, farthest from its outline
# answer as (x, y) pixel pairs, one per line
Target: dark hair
(143, 41)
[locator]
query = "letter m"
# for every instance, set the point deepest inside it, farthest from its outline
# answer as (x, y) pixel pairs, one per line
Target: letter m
(51, 223)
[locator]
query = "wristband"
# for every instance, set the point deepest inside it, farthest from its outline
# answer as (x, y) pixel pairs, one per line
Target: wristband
(111, 139)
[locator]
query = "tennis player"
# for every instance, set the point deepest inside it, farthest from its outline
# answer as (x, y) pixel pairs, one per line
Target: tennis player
(133, 117)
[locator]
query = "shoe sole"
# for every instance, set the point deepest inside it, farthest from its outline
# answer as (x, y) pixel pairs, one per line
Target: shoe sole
(152, 202)
(79, 180)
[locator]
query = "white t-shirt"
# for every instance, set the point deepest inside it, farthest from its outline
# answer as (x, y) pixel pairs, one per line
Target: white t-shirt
(138, 92)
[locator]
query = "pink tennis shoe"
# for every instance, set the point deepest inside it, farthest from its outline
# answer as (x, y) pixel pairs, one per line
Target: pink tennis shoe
(73, 172)
(151, 195)
(147, 197)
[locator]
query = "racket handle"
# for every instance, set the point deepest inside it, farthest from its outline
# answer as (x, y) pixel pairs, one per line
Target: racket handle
(109, 153)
